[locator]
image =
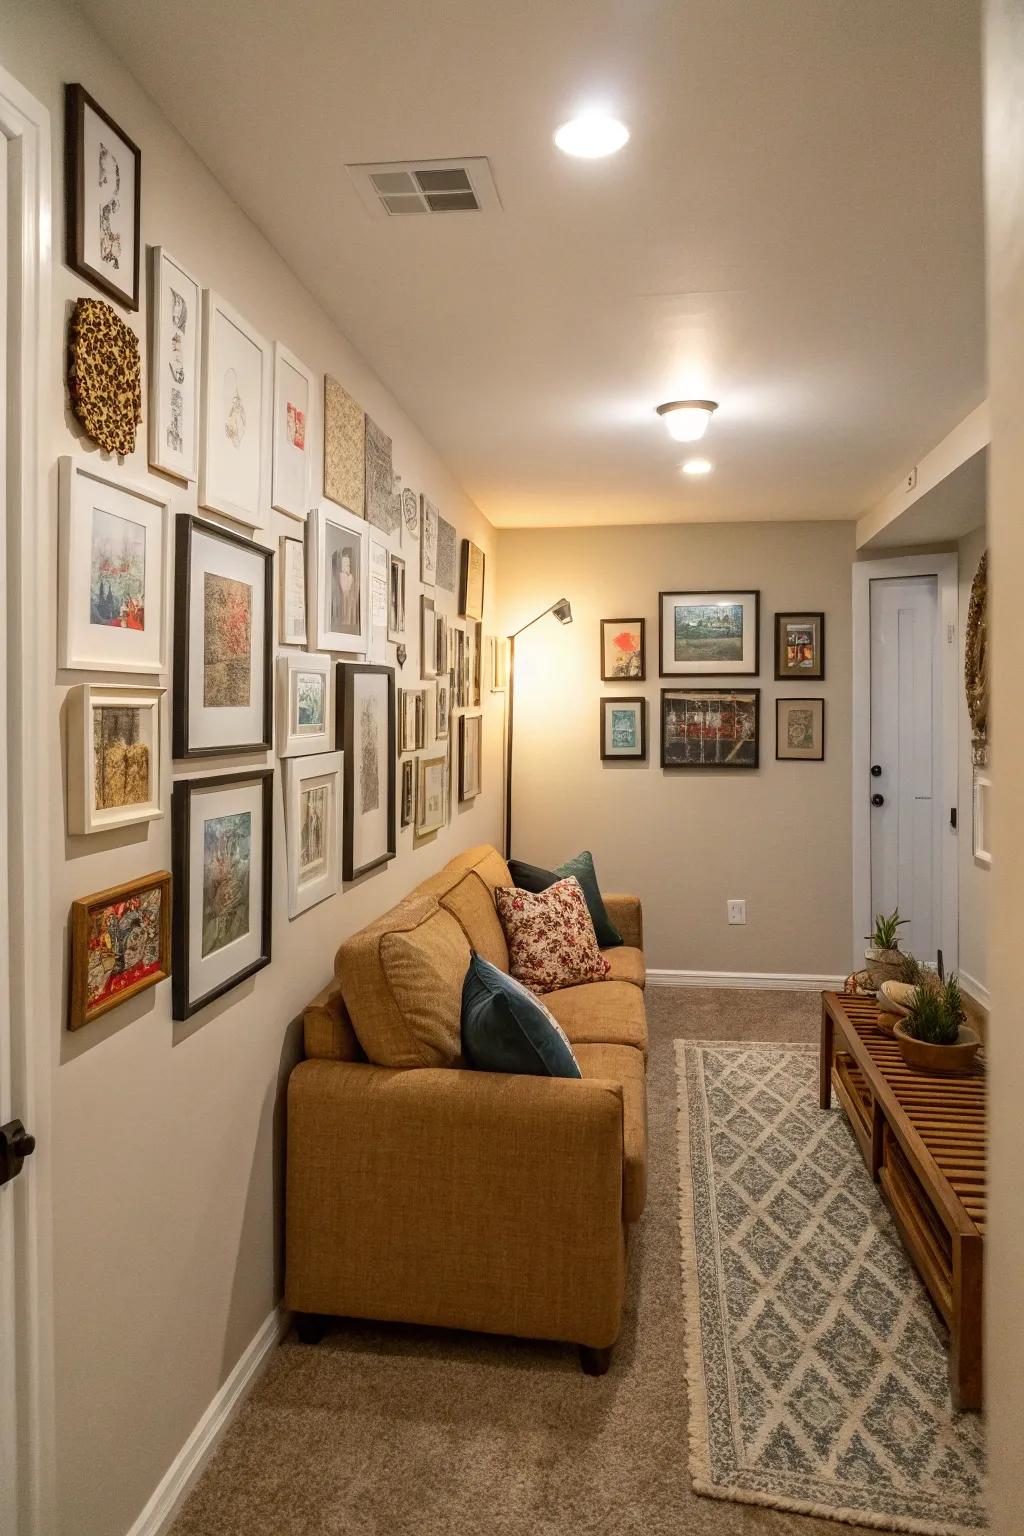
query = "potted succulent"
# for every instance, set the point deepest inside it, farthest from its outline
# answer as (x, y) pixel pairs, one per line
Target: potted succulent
(883, 956)
(933, 1037)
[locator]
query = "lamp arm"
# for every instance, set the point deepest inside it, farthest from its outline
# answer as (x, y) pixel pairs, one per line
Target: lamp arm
(542, 615)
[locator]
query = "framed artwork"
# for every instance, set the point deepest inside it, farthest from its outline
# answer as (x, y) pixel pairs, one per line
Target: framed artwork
(113, 757)
(981, 837)
(103, 198)
(800, 730)
(223, 610)
(236, 399)
(377, 650)
(174, 357)
(383, 507)
(709, 633)
(408, 719)
(623, 729)
(443, 707)
(428, 637)
(337, 580)
(344, 448)
(428, 542)
(497, 671)
(623, 654)
(292, 596)
(799, 647)
(366, 729)
(410, 516)
(431, 793)
(408, 792)
(471, 728)
(444, 639)
(291, 434)
(222, 859)
(476, 632)
(471, 581)
(396, 598)
(312, 829)
(710, 727)
(445, 564)
(120, 945)
(305, 705)
(113, 561)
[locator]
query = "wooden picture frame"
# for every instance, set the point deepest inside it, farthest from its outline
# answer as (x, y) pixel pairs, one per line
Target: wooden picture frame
(471, 751)
(718, 731)
(116, 938)
(175, 366)
(471, 581)
(710, 654)
(126, 753)
(632, 659)
(96, 226)
(623, 752)
(793, 744)
(796, 634)
(354, 740)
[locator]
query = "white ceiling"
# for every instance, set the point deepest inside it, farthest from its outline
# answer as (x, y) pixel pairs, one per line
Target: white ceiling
(794, 229)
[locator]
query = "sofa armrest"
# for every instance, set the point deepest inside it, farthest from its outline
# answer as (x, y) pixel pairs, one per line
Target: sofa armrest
(463, 1199)
(627, 915)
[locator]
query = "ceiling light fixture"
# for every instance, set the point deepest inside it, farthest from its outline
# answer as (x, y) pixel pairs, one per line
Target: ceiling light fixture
(687, 420)
(591, 136)
(697, 467)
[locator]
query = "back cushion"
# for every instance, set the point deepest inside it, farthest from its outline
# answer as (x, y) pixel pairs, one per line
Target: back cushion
(472, 903)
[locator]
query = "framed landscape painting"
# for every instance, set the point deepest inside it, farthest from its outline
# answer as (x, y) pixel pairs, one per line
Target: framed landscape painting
(222, 858)
(799, 647)
(366, 733)
(622, 650)
(305, 705)
(174, 357)
(623, 729)
(291, 435)
(709, 633)
(113, 757)
(710, 727)
(120, 945)
(800, 730)
(237, 388)
(312, 829)
(337, 581)
(103, 198)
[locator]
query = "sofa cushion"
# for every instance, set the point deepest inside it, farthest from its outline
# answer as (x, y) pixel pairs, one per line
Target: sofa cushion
(471, 903)
(625, 1066)
(550, 936)
(327, 1028)
(601, 1013)
(506, 1028)
(530, 877)
(626, 964)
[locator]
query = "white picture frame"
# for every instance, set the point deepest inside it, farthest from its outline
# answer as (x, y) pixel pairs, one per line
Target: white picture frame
(235, 409)
(113, 564)
(291, 434)
(109, 758)
(175, 338)
(431, 793)
(981, 837)
(396, 597)
(377, 650)
(291, 597)
(331, 532)
(428, 638)
(313, 820)
(305, 705)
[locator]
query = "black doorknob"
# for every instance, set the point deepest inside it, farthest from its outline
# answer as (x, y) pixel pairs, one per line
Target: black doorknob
(876, 770)
(15, 1145)
(877, 799)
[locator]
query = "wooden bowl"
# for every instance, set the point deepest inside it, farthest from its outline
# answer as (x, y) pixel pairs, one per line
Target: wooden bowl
(945, 1060)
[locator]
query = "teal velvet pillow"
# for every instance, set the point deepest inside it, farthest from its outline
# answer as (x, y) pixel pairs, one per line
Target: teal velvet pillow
(530, 877)
(505, 1028)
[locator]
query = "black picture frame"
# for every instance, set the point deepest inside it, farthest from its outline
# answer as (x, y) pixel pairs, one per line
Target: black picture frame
(807, 617)
(181, 821)
(624, 757)
(186, 525)
(713, 592)
(76, 101)
(716, 767)
(632, 677)
(782, 757)
(346, 674)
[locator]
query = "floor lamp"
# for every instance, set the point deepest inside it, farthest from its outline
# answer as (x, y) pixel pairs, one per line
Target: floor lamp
(562, 611)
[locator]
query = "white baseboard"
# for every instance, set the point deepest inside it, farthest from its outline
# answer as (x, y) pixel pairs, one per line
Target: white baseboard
(977, 990)
(186, 1467)
(777, 981)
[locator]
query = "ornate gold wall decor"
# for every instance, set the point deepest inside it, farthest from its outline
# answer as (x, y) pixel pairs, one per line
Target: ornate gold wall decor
(976, 683)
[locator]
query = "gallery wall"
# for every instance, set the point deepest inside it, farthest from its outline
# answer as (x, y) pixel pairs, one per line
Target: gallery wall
(165, 1153)
(975, 876)
(687, 840)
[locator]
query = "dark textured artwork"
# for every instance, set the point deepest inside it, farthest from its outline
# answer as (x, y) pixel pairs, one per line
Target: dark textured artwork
(227, 642)
(709, 728)
(369, 757)
(383, 506)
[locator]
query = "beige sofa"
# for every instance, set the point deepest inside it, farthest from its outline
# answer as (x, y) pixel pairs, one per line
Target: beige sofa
(421, 1191)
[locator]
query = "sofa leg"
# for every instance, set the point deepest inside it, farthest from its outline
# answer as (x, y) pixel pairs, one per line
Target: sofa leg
(310, 1327)
(595, 1362)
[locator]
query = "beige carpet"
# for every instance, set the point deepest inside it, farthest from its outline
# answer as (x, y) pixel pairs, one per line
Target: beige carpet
(387, 1431)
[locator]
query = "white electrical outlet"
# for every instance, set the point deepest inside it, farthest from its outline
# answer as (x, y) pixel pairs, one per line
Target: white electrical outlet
(910, 484)
(737, 911)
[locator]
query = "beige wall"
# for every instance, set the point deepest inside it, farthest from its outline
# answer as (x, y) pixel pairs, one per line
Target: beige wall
(686, 840)
(975, 879)
(165, 1143)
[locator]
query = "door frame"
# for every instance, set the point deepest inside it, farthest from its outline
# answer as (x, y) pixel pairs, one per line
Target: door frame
(945, 568)
(25, 123)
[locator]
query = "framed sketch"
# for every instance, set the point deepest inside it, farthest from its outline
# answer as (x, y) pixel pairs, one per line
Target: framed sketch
(442, 707)
(709, 633)
(471, 728)
(236, 401)
(312, 829)
(408, 802)
(103, 198)
(410, 516)
(174, 357)
(623, 654)
(222, 859)
(710, 727)
(431, 793)
(800, 730)
(223, 610)
(428, 637)
(377, 650)
(982, 814)
(623, 729)
(337, 580)
(799, 647)
(471, 581)
(113, 563)
(113, 757)
(366, 730)
(445, 564)
(292, 596)
(120, 945)
(344, 447)
(383, 507)
(305, 705)
(409, 713)
(428, 542)
(291, 434)
(396, 597)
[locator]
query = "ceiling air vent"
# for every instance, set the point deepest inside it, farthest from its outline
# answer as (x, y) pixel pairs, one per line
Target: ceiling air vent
(397, 188)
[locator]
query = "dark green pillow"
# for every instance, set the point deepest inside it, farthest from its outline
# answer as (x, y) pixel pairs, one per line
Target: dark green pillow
(530, 877)
(505, 1028)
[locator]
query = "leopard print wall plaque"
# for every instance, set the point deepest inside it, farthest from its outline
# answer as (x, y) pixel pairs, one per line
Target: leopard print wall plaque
(976, 662)
(104, 375)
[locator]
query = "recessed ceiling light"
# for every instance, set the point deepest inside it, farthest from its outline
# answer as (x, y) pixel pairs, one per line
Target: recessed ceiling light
(697, 467)
(687, 420)
(591, 136)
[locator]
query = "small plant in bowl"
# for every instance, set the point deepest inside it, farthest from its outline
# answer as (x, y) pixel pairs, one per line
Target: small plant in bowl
(934, 1037)
(883, 956)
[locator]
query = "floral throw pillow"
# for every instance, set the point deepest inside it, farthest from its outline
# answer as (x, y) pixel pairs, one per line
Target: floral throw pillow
(550, 936)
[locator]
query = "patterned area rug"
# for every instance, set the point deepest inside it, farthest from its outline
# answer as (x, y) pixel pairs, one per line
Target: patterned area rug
(816, 1364)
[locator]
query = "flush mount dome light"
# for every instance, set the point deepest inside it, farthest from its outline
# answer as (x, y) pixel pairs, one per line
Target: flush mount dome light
(697, 467)
(591, 136)
(687, 420)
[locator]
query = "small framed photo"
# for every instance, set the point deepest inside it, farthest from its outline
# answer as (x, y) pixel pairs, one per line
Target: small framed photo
(431, 793)
(408, 793)
(291, 435)
(428, 637)
(471, 729)
(799, 647)
(312, 829)
(223, 610)
(235, 404)
(292, 595)
(113, 757)
(623, 656)
(982, 815)
(366, 731)
(305, 705)
(337, 579)
(710, 727)
(174, 357)
(120, 945)
(800, 730)
(396, 597)
(428, 542)
(103, 198)
(709, 633)
(222, 860)
(471, 581)
(114, 545)
(443, 707)
(623, 729)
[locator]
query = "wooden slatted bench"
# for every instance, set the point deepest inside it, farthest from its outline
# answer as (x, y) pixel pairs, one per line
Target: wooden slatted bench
(923, 1140)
